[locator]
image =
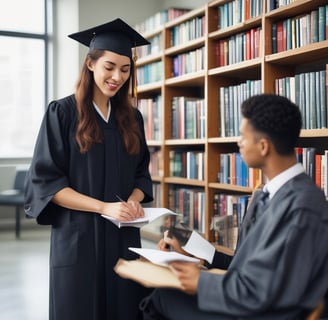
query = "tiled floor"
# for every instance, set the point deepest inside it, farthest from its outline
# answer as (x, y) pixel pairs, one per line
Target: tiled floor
(24, 266)
(24, 275)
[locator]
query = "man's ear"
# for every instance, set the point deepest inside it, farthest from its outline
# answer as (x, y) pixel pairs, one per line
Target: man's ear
(265, 146)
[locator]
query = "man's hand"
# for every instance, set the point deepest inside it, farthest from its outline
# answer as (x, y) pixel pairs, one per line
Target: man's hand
(188, 274)
(167, 243)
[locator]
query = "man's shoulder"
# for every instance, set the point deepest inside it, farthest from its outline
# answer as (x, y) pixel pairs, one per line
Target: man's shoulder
(302, 192)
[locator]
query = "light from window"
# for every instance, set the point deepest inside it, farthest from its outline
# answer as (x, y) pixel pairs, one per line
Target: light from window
(22, 94)
(23, 16)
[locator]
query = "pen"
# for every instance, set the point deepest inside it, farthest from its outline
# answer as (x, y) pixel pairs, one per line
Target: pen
(167, 237)
(119, 198)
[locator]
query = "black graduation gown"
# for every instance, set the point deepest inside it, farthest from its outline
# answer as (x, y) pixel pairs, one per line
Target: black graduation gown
(85, 246)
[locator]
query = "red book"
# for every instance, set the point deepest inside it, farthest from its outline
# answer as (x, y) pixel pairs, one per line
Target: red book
(280, 36)
(217, 54)
(248, 45)
(247, 9)
(318, 170)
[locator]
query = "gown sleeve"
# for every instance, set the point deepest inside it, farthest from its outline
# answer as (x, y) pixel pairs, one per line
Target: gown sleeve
(48, 171)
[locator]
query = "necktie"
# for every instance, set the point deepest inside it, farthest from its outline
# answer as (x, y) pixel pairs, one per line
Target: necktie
(264, 197)
(254, 211)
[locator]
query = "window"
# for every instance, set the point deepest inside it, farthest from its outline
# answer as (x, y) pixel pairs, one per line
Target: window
(23, 75)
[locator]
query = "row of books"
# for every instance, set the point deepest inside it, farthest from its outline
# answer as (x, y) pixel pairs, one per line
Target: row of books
(187, 164)
(230, 99)
(301, 30)
(190, 203)
(157, 195)
(188, 62)
(238, 11)
(156, 46)
(188, 118)
(233, 170)
(149, 73)
(157, 20)
(187, 31)
(309, 91)
(228, 212)
(315, 165)
(239, 47)
(151, 110)
(156, 162)
(275, 4)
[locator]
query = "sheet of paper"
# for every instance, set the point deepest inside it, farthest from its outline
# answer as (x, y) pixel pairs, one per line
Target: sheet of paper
(162, 258)
(150, 215)
(154, 213)
(199, 247)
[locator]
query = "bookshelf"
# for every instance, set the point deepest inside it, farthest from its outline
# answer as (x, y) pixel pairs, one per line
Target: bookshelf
(219, 54)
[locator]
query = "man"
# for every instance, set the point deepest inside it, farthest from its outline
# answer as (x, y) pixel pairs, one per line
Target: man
(280, 267)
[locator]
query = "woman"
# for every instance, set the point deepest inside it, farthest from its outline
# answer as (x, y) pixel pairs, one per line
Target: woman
(90, 154)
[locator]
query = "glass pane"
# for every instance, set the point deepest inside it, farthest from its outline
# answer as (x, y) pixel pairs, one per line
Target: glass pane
(22, 15)
(22, 78)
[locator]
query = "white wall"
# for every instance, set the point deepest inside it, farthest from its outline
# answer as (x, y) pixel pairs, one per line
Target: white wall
(66, 51)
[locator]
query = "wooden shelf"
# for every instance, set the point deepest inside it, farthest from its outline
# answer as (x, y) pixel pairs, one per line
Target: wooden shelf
(311, 52)
(229, 187)
(205, 84)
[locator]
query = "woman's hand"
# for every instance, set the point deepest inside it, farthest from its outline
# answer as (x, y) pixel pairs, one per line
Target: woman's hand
(122, 211)
(137, 208)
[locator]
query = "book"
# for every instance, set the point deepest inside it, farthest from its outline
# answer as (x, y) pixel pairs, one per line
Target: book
(150, 215)
(151, 275)
(147, 274)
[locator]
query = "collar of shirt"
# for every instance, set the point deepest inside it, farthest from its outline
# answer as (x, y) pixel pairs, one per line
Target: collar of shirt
(100, 113)
(275, 184)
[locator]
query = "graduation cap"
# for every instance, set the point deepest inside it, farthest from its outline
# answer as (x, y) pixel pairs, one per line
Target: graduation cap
(116, 36)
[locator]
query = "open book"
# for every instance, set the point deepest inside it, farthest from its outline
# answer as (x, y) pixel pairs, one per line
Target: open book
(152, 270)
(150, 215)
(151, 275)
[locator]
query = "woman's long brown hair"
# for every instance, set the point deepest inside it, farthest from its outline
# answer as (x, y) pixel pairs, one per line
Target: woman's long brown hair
(88, 131)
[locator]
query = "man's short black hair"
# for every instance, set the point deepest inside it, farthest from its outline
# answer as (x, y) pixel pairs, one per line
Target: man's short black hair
(275, 116)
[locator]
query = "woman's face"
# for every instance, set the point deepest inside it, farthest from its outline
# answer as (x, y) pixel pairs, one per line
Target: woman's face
(110, 72)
